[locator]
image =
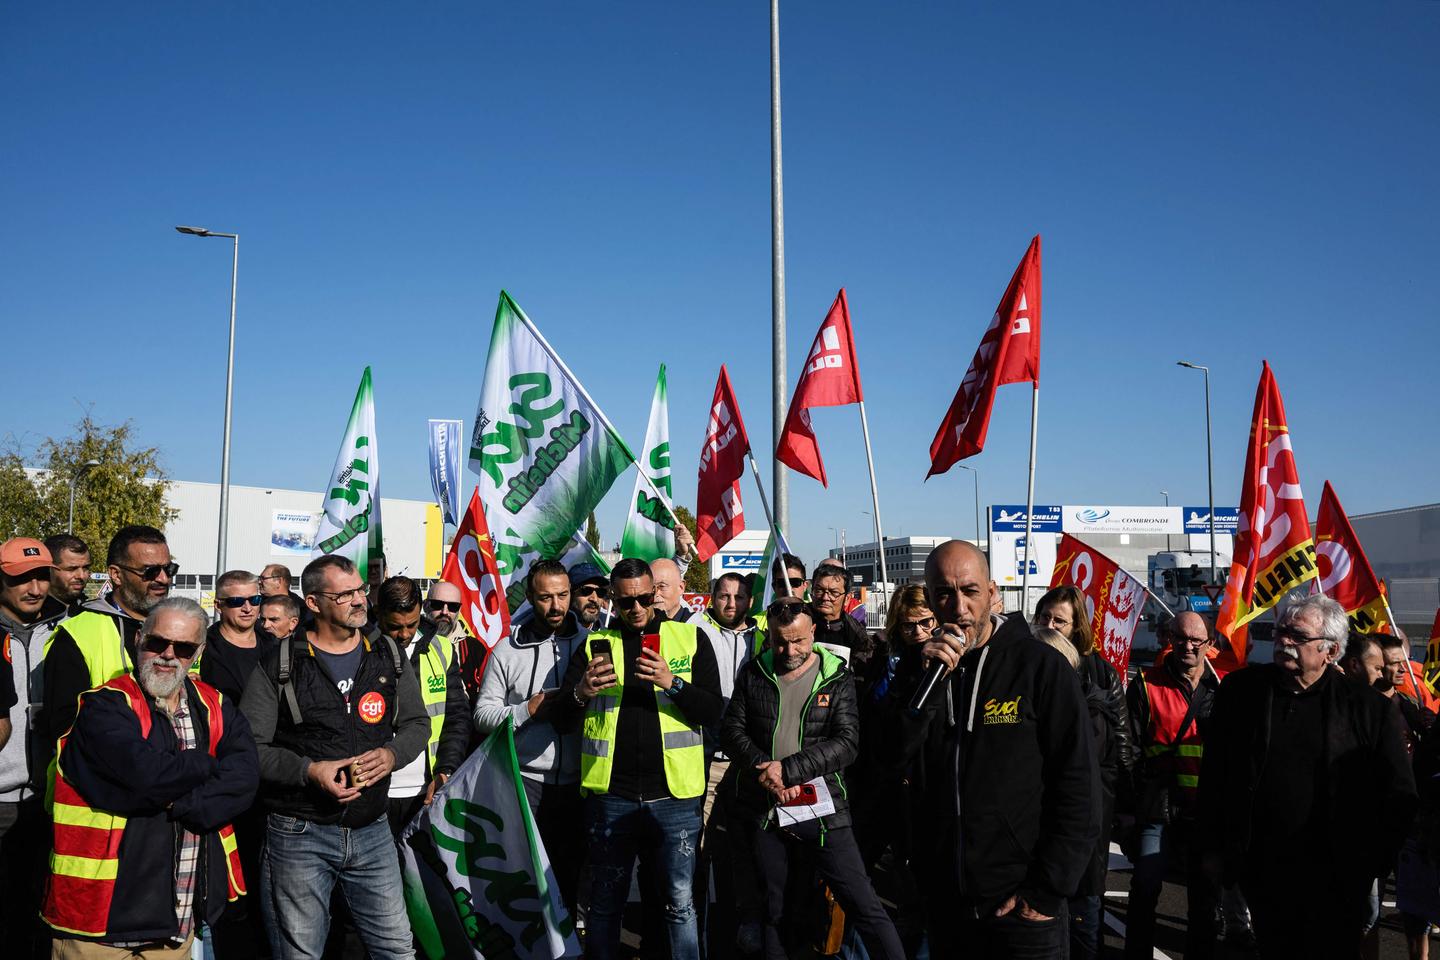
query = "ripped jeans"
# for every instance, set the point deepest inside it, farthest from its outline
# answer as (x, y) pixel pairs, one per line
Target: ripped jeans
(666, 833)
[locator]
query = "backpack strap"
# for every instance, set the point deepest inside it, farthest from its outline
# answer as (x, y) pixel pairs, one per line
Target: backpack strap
(286, 688)
(398, 660)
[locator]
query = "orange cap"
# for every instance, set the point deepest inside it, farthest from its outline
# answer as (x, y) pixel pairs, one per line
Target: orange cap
(23, 554)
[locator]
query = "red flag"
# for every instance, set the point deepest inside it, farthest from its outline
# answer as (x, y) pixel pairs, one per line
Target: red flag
(1274, 551)
(1009, 352)
(831, 379)
(1114, 598)
(471, 567)
(718, 514)
(1345, 574)
(1432, 656)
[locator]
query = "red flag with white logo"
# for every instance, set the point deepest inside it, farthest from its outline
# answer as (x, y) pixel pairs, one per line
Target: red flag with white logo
(1345, 574)
(831, 379)
(1113, 598)
(718, 513)
(472, 568)
(1009, 352)
(1274, 552)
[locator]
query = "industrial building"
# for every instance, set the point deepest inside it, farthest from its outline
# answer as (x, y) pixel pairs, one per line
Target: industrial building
(1403, 547)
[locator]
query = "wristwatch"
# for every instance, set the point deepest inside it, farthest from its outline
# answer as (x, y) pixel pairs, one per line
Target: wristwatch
(676, 685)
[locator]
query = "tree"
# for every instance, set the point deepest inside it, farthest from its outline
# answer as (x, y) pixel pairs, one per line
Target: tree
(127, 485)
(592, 531)
(697, 575)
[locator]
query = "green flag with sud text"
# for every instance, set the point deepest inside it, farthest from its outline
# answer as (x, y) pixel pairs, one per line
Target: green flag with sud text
(649, 529)
(350, 524)
(477, 879)
(544, 453)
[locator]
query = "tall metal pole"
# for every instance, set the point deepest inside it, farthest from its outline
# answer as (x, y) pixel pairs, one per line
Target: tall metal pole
(70, 527)
(777, 269)
(875, 499)
(977, 500)
(225, 450)
(1030, 504)
(1210, 472)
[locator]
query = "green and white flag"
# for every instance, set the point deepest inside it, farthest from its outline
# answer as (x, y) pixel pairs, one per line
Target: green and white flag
(477, 879)
(578, 550)
(650, 529)
(544, 453)
(350, 525)
(763, 592)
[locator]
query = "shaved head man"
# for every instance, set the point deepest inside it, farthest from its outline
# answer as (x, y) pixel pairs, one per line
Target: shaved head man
(442, 605)
(960, 591)
(670, 590)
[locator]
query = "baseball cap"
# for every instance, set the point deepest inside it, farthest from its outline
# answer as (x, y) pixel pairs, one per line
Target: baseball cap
(23, 554)
(586, 571)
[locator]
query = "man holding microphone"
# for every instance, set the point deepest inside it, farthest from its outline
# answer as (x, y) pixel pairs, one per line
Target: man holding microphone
(997, 724)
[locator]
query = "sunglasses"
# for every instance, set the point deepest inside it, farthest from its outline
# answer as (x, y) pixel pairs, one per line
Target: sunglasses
(643, 600)
(797, 582)
(153, 571)
(589, 590)
(235, 603)
(435, 606)
(154, 643)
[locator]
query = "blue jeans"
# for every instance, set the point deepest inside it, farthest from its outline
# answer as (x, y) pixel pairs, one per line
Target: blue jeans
(666, 833)
(1160, 847)
(1084, 927)
(301, 865)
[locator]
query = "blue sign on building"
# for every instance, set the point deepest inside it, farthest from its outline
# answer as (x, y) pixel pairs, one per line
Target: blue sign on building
(1010, 518)
(1197, 519)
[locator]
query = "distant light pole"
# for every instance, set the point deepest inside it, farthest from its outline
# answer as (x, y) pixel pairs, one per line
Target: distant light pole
(229, 379)
(1166, 495)
(977, 501)
(80, 471)
(1209, 459)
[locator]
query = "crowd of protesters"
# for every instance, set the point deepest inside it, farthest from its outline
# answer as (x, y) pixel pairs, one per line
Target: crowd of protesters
(172, 786)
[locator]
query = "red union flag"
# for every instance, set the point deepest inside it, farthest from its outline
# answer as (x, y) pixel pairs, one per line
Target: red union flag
(1274, 551)
(1009, 352)
(471, 567)
(1113, 598)
(831, 379)
(1432, 657)
(718, 514)
(1345, 573)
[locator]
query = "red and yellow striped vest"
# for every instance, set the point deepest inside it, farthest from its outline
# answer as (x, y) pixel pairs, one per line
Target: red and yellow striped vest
(85, 857)
(1168, 706)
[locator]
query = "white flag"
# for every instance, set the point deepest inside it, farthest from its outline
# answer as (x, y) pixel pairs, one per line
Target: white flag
(650, 531)
(350, 525)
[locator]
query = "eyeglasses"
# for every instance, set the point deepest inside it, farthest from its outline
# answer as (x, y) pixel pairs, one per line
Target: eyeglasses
(642, 600)
(235, 603)
(822, 593)
(1180, 640)
(918, 626)
(1294, 636)
(435, 606)
(347, 596)
(589, 590)
(156, 644)
(152, 571)
(273, 576)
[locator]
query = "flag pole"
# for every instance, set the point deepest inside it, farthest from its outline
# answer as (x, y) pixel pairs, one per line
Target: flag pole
(769, 518)
(1030, 503)
(1395, 629)
(875, 500)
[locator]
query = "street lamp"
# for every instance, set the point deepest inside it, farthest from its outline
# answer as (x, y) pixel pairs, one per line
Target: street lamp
(1209, 459)
(229, 377)
(80, 471)
(1166, 495)
(977, 501)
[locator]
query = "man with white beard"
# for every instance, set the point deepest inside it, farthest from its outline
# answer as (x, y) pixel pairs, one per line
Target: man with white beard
(147, 782)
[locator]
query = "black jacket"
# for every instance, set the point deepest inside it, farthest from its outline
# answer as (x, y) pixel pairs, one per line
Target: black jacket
(1117, 760)
(331, 729)
(829, 736)
(227, 667)
(1009, 788)
(155, 785)
(849, 633)
(1365, 769)
(66, 674)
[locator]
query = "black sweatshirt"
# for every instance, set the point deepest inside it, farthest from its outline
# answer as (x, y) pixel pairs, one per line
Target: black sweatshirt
(638, 771)
(226, 666)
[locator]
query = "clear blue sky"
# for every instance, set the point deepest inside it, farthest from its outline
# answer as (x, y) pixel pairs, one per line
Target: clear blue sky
(1219, 182)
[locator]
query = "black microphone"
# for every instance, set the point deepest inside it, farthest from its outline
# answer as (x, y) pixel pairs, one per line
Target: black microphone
(933, 676)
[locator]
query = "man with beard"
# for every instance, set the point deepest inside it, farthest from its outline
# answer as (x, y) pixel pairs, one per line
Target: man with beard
(1294, 748)
(589, 595)
(521, 683)
(71, 573)
(1170, 705)
(155, 766)
(235, 642)
(98, 643)
(333, 714)
(442, 615)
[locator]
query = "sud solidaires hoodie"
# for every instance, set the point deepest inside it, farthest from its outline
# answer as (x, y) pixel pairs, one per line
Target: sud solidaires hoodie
(528, 661)
(1007, 771)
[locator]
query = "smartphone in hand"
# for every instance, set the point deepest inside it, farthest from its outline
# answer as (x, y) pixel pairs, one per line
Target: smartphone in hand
(600, 647)
(651, 642)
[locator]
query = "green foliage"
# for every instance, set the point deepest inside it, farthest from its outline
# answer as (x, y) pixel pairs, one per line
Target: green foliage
(592, 531)
(128, 485)
(697, 575)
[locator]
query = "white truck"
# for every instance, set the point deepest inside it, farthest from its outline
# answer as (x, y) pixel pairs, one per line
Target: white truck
(1179, 578)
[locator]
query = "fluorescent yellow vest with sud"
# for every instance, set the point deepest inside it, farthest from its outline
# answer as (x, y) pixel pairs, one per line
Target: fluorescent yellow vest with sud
(432, 691)
(682, 743)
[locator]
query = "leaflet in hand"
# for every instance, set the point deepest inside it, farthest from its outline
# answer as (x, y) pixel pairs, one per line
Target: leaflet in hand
(814, 801)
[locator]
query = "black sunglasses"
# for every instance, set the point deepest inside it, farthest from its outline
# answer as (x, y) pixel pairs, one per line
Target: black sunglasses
(643, 600)
(797, 582)
(453, 606)
(152, 571)
(589, 590)
(154, 643)
(235, 603)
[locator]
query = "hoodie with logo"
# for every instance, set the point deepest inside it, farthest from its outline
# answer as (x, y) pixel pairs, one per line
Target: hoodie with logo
(1005, 769)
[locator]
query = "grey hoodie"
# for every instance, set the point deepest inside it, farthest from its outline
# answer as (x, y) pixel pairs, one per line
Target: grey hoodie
(27, 644)
(523, 664)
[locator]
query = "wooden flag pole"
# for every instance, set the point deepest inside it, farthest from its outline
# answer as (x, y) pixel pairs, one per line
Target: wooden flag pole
(875, 500)
(1030, 504)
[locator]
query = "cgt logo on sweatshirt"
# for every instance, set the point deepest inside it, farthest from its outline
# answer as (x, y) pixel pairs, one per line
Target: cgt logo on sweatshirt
(1002, 711)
